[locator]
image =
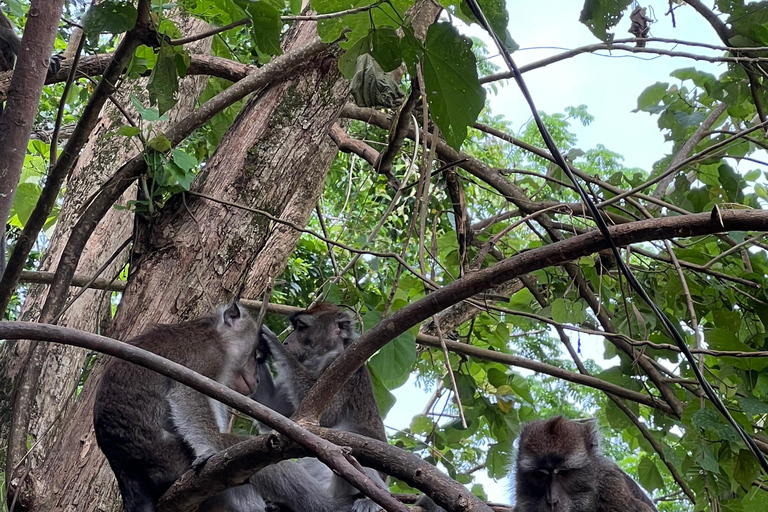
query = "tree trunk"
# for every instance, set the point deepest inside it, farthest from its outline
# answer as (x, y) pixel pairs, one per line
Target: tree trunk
(198, 253)
(91, 312)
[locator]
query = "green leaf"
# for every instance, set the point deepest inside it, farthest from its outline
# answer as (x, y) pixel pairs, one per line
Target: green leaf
(706, 459)
(411, 48)
(396, 358)
(384, 399)
(649, 475)
(706, 419)
(164, 80)
(147, 114)
(389, 14)
(265, 27)
(497, 378)
(184, 160)
(24, 201)
(348, 61)
(498, 459)
(722, 339)
(128, 131)
(752, 406)
(568, 311)
(496, 13)
(652, 95)
(453, 92)
(385, 48)
(745, 468)
(159, 143)
(602, 15)
(108, 17)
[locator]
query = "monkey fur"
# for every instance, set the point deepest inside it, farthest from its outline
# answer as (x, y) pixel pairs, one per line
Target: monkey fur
(320, 335)
(10, 46)
(153, 429)
(560, 469)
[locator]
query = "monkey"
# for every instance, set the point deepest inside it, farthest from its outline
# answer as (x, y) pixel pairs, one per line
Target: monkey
(321, 334)
(10, 45)
(153, 429)
(286, 486)
(560, 468)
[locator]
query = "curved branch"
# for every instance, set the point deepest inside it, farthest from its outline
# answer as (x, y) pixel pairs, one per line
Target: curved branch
(333, 456)
(553, 254)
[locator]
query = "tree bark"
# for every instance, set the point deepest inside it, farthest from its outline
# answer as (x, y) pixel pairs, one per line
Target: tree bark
(91, 312)
(199, 253)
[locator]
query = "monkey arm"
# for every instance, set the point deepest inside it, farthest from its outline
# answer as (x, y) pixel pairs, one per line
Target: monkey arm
(200, 421)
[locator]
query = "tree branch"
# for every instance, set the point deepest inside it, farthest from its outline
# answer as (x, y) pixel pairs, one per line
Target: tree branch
(553, 254)
(333, 456)
(18, 116)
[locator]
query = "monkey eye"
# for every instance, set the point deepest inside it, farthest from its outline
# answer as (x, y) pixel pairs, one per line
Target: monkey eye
(562, 471)
(542, 471)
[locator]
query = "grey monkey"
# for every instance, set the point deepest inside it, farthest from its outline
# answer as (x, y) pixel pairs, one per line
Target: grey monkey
(320, 335)
(560, 469)
(153, 429)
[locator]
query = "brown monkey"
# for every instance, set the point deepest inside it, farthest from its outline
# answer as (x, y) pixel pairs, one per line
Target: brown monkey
(560, 468)
(320, 335)
(151, 428)
(10, 44)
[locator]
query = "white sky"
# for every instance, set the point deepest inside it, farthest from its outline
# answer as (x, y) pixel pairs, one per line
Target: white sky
(609, 86)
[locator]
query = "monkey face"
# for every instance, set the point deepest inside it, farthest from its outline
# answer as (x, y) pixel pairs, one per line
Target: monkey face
(320, 334)
(557, 489)
(557, 467)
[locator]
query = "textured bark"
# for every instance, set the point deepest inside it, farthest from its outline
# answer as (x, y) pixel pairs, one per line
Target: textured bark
(63, 364)
(199, 254)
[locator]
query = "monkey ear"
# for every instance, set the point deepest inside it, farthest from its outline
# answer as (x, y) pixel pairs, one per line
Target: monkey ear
(592, 434)
(231, 314)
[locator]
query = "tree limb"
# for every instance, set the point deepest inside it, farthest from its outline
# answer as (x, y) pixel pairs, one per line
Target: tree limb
(553, 254)
(333, 456)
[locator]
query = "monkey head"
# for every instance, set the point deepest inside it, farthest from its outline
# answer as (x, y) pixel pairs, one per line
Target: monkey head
(320, 334)
(558, 466)
(241, 343)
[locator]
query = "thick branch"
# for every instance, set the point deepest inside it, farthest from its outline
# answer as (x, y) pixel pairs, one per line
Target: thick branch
(553, 254)
(77, 140)
(331, 455)
(26, 88)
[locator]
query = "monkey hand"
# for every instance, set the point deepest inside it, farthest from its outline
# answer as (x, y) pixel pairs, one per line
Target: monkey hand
(54, 63)
(267, 340)
(365, 505)
(201, 459)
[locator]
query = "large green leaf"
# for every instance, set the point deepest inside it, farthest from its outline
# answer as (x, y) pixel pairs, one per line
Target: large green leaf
(265, 27)
(453, 92)
(109, 17)
(389, 14)
(164, 80)
(602, 15)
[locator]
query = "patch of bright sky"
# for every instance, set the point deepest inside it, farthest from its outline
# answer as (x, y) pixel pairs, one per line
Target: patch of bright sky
(609, 85)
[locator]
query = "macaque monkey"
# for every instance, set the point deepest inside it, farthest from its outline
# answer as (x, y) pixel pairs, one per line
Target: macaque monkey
(10, 45)
(560, 469)
(152, 429)
(320, 335)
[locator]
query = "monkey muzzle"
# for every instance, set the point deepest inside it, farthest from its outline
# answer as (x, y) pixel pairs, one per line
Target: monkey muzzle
(246, 383)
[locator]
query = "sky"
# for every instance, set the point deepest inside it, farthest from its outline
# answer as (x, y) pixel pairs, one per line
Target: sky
(609, 86)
